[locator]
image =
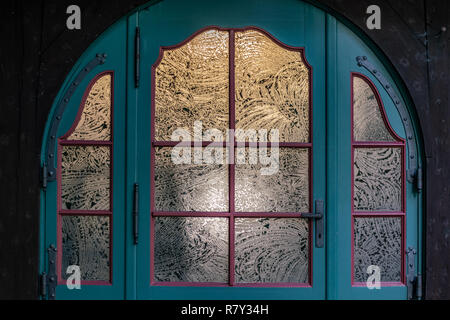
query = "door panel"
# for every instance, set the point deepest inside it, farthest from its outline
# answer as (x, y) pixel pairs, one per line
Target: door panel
(143, 227)
(385, 214)
(165, 25)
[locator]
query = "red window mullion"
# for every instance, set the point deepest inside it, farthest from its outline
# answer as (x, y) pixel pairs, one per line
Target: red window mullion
(231, 173)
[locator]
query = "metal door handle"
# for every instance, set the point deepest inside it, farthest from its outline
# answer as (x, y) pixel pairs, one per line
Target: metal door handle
(319, 217)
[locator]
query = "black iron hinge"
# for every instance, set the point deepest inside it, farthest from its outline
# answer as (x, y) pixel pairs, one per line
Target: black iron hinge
(137, 57)
(48, 280)
(43, 176)
(413, 281)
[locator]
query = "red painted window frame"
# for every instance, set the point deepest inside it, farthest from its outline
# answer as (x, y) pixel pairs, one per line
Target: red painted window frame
(63, 141)
(231, 214)
(398, 143)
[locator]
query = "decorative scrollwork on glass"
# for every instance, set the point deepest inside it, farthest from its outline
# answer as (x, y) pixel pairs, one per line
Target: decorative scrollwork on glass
(377, 241)
(95, 119)
(271, 250)
(85, 177)
(191, 249)
(192, 83)
(272, 87)
(86, 243)
(378, 179)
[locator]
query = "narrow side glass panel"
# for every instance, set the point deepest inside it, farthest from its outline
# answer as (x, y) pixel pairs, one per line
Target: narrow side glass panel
(86, 243)
(378, 241)
(378, 179)
(85, 177)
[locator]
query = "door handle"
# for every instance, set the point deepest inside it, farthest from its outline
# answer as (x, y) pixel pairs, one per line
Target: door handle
(319, 217)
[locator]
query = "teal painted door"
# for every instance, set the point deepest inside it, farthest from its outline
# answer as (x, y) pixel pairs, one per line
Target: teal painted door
(212, 216)
(213, 227)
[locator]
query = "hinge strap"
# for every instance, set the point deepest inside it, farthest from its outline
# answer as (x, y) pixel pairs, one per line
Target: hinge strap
(404, 115)
(411, 278)
(137, 57)
(48, 281)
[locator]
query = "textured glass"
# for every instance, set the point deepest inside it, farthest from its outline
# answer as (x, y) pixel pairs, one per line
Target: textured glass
(378, 242)
(95, 120)
(191, 249)
(85, 243)
(189, 187)
(368, 121)
(378, 179)
(191, 84)
(272, 87)
(271, 250)
(285, 191)
(85, 177)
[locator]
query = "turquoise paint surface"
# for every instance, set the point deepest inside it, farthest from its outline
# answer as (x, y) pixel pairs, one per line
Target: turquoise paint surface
(330, 48)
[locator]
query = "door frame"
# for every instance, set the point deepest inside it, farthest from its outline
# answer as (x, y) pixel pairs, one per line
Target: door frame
(332, 19)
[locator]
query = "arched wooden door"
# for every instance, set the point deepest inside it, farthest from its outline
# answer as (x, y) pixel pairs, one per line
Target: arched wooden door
(230, 150)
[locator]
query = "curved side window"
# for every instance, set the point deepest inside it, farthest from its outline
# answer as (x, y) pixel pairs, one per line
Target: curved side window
(378, 184)
(85, 186)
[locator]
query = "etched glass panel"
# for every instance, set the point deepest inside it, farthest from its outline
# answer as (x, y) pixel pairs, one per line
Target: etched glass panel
(270, 250)
(85, 177)
(272, 87)
(190, 187)
(286, 190)
(368, 121)
(191, 84)
(191, 249)
(378, 179)
(378, 242)
(85, 243)
(95, 120)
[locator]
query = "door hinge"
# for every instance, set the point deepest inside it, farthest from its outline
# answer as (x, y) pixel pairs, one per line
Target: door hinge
(137, 57)
(43, 176)
(413, 281)
(136, 214)
(48, 280)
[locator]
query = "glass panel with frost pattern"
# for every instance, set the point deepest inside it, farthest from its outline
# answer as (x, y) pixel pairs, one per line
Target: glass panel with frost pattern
(86, 243)
(272, 87)
(95, 120)
(368, 123)
(85, 177)
(378, 241)
(190, 187)
(378, 179)
(191, 249)
(271, 250)
(286, 190)
(191, 84)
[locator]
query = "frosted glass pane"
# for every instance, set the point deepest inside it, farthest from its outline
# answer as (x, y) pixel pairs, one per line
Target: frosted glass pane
(191, 84)
(85, 177)
(189, 187)
(378, 242)
(95, 120)
(191, 249)
(378, 179)
(85, 243)
(272, 87)
(285, 191)
(368, 121)
(271, 250)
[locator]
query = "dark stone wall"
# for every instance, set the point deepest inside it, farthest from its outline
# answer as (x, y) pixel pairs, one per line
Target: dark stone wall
(37, 52)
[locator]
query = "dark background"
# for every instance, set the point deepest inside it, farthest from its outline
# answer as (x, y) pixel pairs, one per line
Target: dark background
(37, 52)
